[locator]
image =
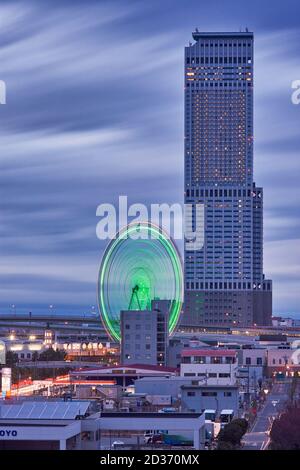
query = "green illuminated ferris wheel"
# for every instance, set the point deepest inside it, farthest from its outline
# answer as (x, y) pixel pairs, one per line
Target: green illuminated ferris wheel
(140, 264)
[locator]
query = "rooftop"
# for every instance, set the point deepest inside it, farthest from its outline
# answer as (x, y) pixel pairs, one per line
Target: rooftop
(208, 352)
(221, 35)
(127, 369)
(151, 415)
(44, 410)
(209, 387)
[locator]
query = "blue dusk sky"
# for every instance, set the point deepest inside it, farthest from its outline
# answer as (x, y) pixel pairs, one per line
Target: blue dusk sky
(95, 110)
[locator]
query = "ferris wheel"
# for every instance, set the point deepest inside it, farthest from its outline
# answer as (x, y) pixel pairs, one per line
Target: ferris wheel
(139, 265)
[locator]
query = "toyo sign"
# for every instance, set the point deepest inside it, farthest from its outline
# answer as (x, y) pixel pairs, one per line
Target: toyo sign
(8, 433)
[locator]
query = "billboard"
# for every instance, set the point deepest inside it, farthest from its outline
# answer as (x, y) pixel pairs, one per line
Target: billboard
(6, 380)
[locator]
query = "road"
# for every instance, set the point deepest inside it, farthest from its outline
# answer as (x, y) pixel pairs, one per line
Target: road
(258, 438)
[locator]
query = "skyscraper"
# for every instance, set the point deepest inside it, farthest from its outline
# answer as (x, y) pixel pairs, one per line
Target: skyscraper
(224, 280)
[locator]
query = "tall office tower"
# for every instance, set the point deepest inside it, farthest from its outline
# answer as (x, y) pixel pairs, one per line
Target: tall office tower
(224, 280)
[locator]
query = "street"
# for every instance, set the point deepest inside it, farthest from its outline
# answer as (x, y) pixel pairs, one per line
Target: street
(258, 437)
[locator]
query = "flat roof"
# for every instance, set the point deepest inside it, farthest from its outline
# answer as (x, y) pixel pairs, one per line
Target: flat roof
(221, 35)
(209, 387)
(151, 415)
(208, 352)
(172, 378)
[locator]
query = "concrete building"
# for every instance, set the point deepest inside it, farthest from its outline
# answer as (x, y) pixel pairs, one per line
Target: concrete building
(176, 345)
(252, 362)
(284, 360)
(224, 280)
(197, 398)
(170, 386)
(218, 367)
(144, 335)
(57, 425)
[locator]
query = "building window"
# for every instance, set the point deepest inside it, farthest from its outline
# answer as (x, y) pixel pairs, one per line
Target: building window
(259, 361)
(148, 346)
(199, 360)
(227, 394)
(191, 394)
(127, 327)
(248, 361)
(209, 394)
(216, 360)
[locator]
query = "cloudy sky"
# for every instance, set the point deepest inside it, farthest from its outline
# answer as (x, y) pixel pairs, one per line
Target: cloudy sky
(95, 109)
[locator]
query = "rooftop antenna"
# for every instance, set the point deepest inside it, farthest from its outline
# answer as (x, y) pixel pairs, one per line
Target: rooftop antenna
(247, 31)
(197, 30)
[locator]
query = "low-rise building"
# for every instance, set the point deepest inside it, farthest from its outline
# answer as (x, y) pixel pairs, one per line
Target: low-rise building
(57, 425)
(197, 398)
(123, 375)
(254, 360)
(170, 386)
(217, 366)
(284, 360)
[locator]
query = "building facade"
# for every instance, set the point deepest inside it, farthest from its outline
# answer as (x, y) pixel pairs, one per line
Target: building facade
(224, 280)
(214, 366)
(144, 336)
(197, 398)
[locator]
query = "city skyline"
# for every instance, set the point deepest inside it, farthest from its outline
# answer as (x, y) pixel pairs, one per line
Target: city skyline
(122, 103)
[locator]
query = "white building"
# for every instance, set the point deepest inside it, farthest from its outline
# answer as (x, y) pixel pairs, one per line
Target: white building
(47, 425)
(218, 367)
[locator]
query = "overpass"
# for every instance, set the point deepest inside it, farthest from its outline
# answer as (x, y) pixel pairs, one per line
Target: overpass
(58, 364)
(95, 319)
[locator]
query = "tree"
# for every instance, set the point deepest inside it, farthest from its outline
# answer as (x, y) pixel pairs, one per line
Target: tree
(52, 355)
(285, 432)
(243, 423)
(35, 356)
(224, 445)
(11, 359)
(232, 433)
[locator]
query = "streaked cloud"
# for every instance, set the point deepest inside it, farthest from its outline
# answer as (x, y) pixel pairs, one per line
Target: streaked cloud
(95, 109)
